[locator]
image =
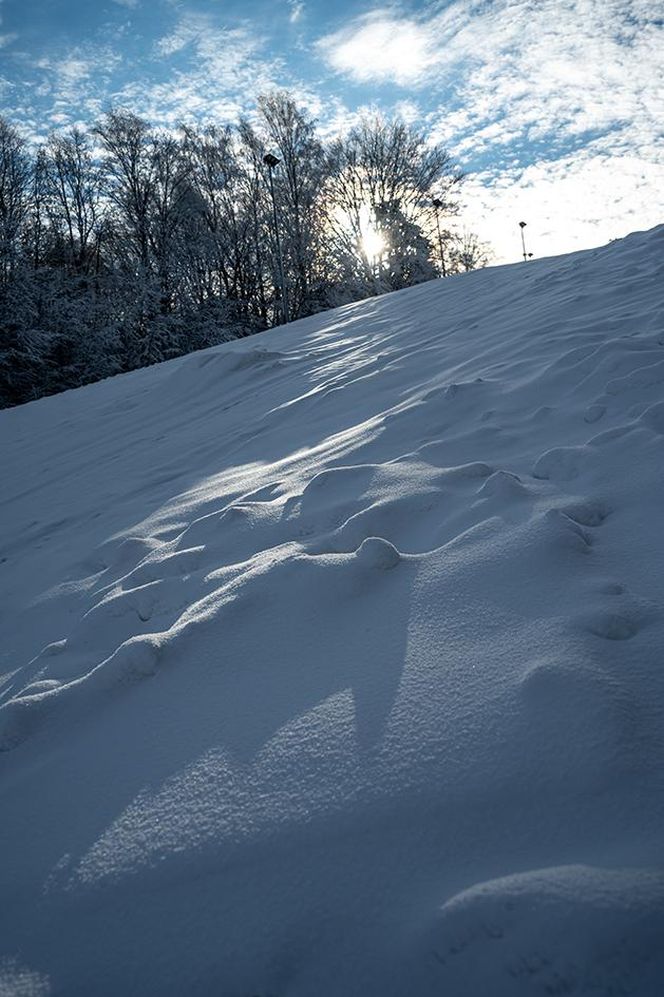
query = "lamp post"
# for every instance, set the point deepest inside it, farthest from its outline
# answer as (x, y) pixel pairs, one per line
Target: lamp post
(437, 205)
(272, 161)
(522, 225)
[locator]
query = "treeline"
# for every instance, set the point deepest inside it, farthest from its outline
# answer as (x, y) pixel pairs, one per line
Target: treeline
(123, 245)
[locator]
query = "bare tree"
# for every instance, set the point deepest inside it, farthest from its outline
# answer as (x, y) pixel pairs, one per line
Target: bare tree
(383, 178)
(469, 253)
(226, 249)
(129, 176)
(125, 245)
(72, 186)
(290, 132)
(166, 213)
(15, 179)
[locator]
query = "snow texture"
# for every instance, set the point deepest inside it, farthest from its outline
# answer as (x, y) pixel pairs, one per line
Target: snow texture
(332, 658)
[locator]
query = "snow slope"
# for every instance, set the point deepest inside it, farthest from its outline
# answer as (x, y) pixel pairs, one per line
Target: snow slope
(333, 658)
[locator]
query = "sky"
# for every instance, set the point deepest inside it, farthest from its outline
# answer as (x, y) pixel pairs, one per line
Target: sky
(554, 109)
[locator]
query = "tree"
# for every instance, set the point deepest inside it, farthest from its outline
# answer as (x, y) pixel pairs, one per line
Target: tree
(226, 223)
(71, 181)
(15, 178)
(298, 183)
(383, 178)
(469, 253)
(129, 176)
(124, 245)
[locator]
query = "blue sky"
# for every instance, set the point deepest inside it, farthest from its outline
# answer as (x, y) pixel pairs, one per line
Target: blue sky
(554, 108)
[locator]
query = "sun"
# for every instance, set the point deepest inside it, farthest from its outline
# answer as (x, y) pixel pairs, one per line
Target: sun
(372, 242)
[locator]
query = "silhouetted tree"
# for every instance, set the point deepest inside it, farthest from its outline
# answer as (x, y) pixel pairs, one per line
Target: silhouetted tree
(125, 245)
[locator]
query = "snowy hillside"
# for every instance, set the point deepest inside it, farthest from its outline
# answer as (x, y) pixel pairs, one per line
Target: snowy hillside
(332, 660)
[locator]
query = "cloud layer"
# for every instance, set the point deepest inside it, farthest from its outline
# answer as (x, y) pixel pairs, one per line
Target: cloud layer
(554, 107)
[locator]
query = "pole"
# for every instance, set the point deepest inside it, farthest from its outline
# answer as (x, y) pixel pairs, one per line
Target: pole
(272, 161)
(522, 225)
(436, 206)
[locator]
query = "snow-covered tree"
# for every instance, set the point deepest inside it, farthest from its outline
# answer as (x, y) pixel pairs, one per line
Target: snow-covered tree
(383, 178)
(125, 245)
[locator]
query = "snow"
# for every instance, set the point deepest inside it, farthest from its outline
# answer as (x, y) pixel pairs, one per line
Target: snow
(332, 658)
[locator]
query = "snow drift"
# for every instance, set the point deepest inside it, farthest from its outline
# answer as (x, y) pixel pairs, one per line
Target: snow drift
(332, 659)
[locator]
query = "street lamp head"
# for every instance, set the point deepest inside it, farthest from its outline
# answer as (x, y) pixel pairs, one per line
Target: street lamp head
(271, 160)
(522, 224)
(437, 203)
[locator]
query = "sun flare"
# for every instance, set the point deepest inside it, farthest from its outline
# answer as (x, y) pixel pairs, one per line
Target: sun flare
(373, 243)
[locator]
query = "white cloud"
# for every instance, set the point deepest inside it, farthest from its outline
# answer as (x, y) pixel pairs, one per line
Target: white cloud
(228, 52)
(380, 48)
(296, 10)
(564, 98)
(228, 57)
(575, 202)
(8, 37)
(69, 82)
(553, 67)
(408, 110)
(188, 30)
(555, 106)
(73, 70)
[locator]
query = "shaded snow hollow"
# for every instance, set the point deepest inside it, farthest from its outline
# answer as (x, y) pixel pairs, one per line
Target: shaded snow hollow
(332, 659)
